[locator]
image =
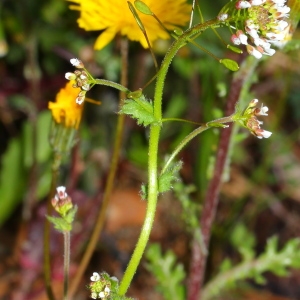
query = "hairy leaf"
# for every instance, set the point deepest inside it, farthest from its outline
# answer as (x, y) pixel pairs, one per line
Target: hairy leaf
(166, 180)
(140, 109)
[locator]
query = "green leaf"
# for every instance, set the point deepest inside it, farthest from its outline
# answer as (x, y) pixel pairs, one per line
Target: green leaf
(168, 273)
(142, 7)
(60, 224)
(69, 217)
(235, 49)
(140, 109)
(166, 180)
(144, 191)
(229, 64)
(12, 179)
(271, 260)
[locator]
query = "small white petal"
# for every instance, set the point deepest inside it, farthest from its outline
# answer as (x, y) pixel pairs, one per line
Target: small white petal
(70, 76)
(266, 134)
(223, 17)
(257, 2)
(95, 276)
(235, 40)
(254, 52)
(242, 4)
(79, 100)
(284, 11)
(61, 192)
(101, 295)
(86, 87)
(275, 37)
(243, 38)
(270, 51)
(75, 62)
(114, 278)
(252, 32)
(279, 2)
(264, 110)
(282, 25)
(94, 295)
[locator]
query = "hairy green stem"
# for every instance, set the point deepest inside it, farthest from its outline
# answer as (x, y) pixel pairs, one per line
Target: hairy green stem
(66, 262)
(153, 150)
(112, 84)
(46, 264)
(193, 134)
(112, 170)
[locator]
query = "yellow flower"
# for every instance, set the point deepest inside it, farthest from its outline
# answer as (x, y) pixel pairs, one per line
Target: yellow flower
(115, 17)
(65, 110)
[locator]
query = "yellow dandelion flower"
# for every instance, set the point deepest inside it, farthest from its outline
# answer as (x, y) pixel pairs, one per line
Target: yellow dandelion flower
(115, 17)
(65, 110)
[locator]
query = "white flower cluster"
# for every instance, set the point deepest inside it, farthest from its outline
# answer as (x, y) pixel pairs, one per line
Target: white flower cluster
(81, 77)
(248, 119)
(105, 290)
(264, 26)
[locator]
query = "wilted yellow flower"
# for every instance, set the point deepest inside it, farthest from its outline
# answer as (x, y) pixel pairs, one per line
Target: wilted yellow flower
(115, 17)
(65, 110)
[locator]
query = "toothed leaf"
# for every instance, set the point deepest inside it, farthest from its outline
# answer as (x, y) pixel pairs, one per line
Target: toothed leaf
(139, 109)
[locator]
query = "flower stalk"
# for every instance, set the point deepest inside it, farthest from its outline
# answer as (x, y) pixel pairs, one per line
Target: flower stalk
(112, 170)
(63, 205)
(155, 130)
(206, 219)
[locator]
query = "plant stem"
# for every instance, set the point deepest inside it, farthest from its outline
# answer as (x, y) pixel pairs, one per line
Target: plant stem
(47, 268)
(192, 135)
(198, 260)
(112, 172)
(153, 150)
(66, 262)
(121, 87)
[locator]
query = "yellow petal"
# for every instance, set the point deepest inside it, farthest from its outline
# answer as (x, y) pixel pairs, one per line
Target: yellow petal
(105, 37)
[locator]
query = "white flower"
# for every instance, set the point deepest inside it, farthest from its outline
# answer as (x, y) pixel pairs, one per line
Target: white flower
(276, 37)
(101, 295)
(70, 76)
(263, 133)
(243, 37)
(79, 100)
(257, 2)
(251, 50)
(262, 26)
(281, 25)
(61, 193)
(252, 32)
(107, 291)
(86, 87)
(223, 17)
(269, 52)
(76, 62)
(94, 295)
(114, 278)
(284, 11)
(235, 40)
(242, 4)
(95, 277)
(262, 111)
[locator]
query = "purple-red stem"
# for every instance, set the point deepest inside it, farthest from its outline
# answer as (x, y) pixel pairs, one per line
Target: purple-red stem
(198, 259)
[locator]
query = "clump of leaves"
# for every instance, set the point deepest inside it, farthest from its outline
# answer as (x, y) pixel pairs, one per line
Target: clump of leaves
(271, 260)
(168, 273)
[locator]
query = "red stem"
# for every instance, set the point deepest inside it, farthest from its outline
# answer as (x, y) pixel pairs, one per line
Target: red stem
(198, 259)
